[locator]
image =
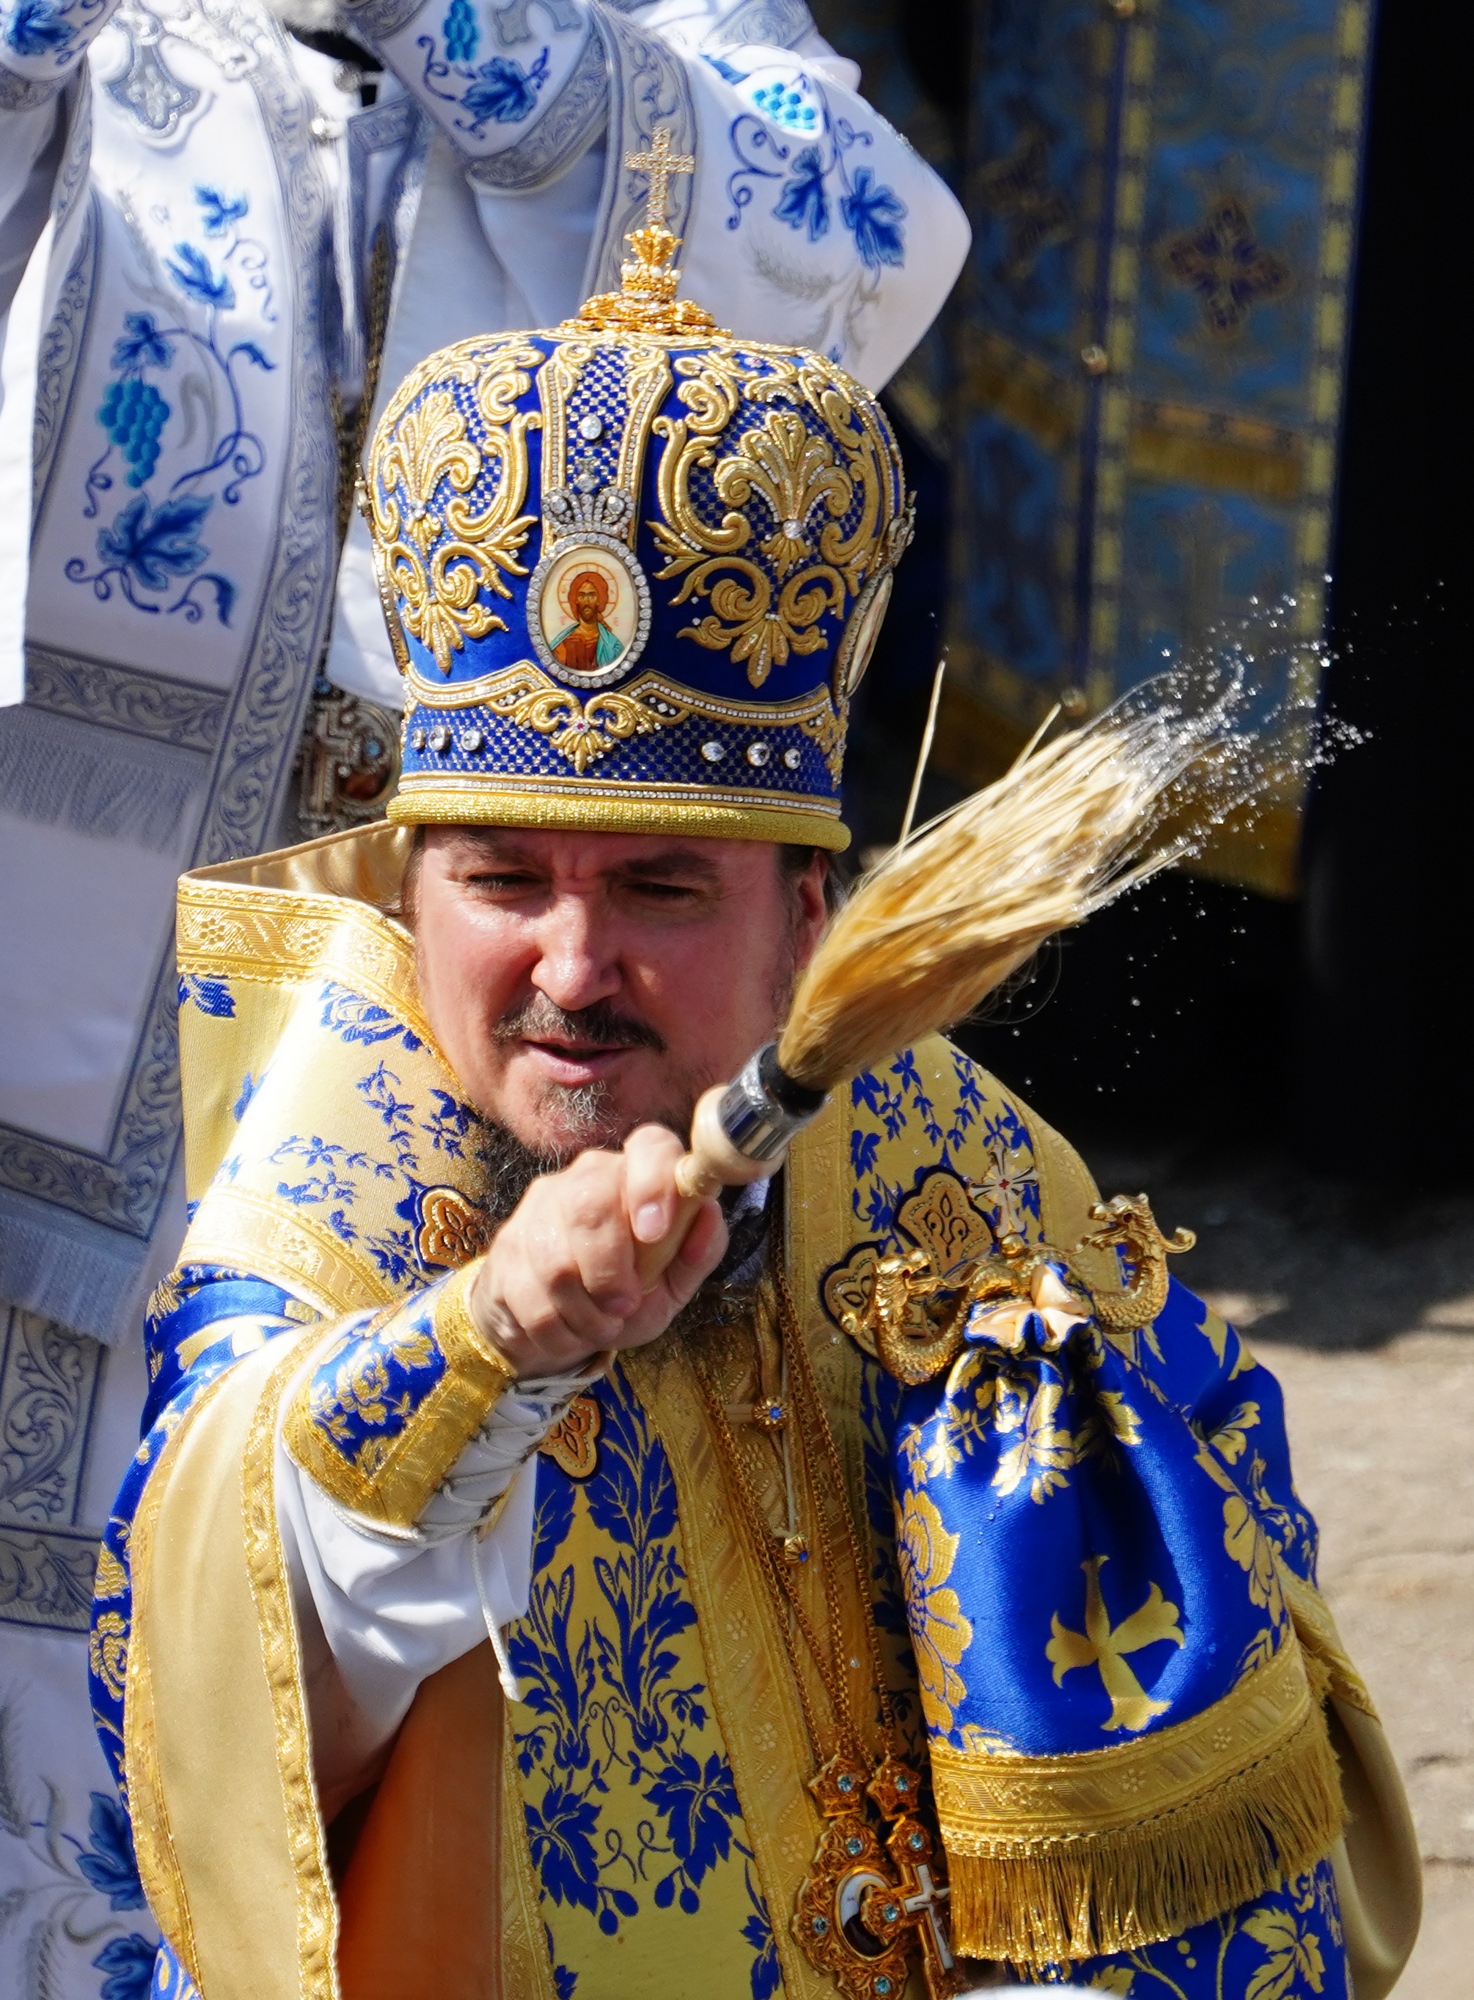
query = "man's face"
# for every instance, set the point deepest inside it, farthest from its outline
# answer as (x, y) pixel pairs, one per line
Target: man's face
(586, 604)
(585, 983)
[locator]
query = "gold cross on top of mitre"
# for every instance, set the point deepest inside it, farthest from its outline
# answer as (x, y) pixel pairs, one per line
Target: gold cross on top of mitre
(646, 301)
(657, 166)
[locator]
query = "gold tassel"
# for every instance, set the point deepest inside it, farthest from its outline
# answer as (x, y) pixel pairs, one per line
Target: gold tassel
(1041, 1903)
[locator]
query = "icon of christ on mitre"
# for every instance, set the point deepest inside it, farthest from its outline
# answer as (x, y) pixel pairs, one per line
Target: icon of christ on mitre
(587, 643)
(849, 1564)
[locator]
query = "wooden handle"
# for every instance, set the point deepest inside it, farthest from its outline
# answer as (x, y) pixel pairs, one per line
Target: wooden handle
(712, 1164)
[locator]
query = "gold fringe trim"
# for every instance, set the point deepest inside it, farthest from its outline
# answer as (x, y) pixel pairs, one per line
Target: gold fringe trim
(1186, 1824)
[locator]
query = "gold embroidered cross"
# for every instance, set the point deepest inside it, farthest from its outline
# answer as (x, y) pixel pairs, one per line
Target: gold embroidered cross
(1103, 1645)
(658, 165)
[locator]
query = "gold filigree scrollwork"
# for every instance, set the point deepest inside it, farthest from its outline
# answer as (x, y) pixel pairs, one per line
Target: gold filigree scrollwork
(827, 727)
(582, 731)
(768, 592)
(438, 550)
(557, 386)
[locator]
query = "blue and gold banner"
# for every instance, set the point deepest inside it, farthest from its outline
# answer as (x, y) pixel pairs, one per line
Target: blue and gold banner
(1139, 389)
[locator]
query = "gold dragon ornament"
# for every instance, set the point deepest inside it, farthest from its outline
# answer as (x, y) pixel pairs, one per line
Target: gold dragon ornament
(914, 1310)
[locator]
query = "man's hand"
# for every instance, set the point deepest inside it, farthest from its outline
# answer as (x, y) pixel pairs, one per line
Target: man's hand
(559, 1282)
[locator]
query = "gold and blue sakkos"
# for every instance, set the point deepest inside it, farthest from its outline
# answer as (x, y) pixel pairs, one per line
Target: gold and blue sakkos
(1049, 1580)
(633, 568)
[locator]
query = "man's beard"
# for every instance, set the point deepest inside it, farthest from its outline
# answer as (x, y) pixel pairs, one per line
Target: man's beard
(579, 1116)
(585, 1116)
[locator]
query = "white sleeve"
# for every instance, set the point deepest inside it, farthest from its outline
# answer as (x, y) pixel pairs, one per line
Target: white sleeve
(380, 1611)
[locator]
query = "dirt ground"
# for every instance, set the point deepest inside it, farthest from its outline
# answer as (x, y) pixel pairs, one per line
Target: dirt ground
(1363, 1305)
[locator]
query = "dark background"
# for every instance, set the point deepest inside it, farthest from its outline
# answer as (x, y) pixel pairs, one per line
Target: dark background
(1334, 1030)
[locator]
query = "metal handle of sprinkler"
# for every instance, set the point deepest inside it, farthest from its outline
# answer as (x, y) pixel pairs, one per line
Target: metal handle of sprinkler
(740, 1132)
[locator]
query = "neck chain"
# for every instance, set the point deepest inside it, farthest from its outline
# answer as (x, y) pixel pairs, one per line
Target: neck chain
(864, 1906)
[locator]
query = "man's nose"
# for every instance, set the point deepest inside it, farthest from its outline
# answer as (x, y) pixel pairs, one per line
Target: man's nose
(577, 963)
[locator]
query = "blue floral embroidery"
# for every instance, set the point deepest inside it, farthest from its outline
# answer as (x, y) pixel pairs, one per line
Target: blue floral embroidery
(144, 548)
(40, 28)
(198, 280)
(873, 214)
(129, 1965)
(109, 1863)
(211, 996)
(355, 1019)
(818, 176)
(500, 91)
(219, 211)
(141, 344)
(896, 1095)
(803, 203)
(155, 543)
(608, 1704)
(758, 1930)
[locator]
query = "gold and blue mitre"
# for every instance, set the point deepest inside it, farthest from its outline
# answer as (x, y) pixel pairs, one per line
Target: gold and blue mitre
(633, 569)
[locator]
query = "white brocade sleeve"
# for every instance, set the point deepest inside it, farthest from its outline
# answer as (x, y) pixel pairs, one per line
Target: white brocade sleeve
(379, 1612)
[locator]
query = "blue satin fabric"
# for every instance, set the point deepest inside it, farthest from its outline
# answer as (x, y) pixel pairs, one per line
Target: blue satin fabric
(1152, 1470)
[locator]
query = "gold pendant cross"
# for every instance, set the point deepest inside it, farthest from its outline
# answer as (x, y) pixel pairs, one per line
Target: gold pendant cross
(924, 1900)
(856, 1918)
(658, 165)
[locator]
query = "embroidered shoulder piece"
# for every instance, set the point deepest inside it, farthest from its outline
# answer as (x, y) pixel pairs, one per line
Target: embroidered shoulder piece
(393, 1400)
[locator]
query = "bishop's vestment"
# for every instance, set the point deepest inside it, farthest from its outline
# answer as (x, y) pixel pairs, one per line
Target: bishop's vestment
(637, 1821)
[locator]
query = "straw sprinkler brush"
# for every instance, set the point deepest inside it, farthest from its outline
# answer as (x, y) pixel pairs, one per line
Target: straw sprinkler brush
(947, 916)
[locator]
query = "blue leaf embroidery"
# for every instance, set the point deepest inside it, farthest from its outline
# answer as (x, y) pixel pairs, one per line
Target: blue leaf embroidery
(504, 91)
(141, 344)
(803, 203)
(195, 276)
(211, 996)
(220, 210)
(109, 1863)
(153, 545)
(873, 213)
(38, 28)
(129, 1965)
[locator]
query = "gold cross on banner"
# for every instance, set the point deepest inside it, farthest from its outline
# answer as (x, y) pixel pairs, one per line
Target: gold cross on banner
(658, 165)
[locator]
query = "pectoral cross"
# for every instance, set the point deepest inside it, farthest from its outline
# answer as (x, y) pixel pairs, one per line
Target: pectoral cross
(924, 1901)
(658, 165)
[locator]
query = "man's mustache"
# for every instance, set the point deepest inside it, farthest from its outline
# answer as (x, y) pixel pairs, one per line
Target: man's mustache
(600, 1026)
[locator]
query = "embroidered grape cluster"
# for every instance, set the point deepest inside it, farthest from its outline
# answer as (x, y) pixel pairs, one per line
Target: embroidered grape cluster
(133, 414)
(461, 31)
(782, 105)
